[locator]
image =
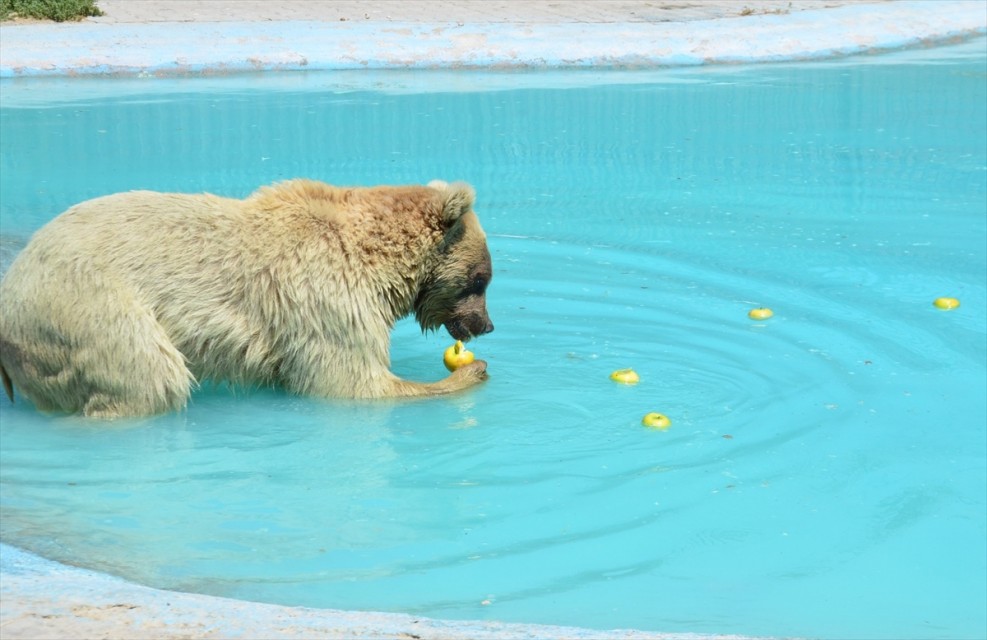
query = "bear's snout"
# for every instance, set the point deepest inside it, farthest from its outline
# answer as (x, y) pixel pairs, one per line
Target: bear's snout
(469, 327)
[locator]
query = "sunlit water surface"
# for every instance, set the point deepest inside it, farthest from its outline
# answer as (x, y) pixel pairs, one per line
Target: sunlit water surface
(824, 474)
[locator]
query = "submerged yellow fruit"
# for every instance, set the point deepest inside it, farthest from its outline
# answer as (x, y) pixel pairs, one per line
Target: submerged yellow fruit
(656, 421)
(946, 303)
(761, 313)
(625, 376)
(457, 356)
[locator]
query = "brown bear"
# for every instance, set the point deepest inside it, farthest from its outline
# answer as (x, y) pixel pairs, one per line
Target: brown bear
(121, 304)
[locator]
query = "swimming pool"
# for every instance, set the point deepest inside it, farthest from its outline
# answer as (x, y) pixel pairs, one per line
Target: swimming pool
(824, 474)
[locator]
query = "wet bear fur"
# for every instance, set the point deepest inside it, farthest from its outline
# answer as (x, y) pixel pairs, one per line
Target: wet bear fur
(121, 304)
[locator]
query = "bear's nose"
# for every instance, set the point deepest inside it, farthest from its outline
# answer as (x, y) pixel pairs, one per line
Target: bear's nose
(488, 328)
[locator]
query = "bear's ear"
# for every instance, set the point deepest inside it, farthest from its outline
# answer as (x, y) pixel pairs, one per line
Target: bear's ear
(458, 199)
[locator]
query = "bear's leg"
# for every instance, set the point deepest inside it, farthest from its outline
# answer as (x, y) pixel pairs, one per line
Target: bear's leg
(332, 371)
(460, 379)
(137, 372)
(108, 357)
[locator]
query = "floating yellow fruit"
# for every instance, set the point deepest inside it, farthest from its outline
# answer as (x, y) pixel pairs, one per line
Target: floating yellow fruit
(946, 303)
(625, 376)
(457, 356)
(761, 313)
(656, 421)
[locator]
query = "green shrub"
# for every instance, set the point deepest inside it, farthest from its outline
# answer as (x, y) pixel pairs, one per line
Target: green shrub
(57, 10)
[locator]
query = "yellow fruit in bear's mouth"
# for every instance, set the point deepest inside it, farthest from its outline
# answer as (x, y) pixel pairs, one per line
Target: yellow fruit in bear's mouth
(625, 376)
(946, 303)
(656, 421)
(761, 313)
(457, 356)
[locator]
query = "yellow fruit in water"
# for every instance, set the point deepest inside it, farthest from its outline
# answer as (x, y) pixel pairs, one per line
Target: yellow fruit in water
(457, 356)
(656, 421)
(625, 376)
(946, 303)
(761, 313)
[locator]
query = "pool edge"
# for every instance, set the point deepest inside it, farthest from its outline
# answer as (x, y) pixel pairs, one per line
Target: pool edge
(184, 48)
(43, 598)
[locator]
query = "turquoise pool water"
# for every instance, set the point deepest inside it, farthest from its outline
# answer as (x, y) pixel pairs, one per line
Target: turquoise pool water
(824, 474)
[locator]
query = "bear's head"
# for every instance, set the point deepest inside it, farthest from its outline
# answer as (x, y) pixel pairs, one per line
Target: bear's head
(454, 293)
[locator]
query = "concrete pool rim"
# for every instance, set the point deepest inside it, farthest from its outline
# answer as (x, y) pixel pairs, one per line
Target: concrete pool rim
(190, 48)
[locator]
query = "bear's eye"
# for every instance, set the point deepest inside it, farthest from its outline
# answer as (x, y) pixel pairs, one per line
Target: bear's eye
(476, 286)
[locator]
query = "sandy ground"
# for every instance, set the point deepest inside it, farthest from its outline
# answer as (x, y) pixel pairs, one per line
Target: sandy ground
(466, 11)
(182, 37)
(41, 599)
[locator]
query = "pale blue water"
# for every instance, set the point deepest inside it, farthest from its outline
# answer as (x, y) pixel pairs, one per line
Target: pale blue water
(824, 474)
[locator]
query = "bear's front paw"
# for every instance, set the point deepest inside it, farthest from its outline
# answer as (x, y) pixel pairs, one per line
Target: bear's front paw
(472, 373)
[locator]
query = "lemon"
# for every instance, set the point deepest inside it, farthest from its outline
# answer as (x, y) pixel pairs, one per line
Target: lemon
(457, 356)
(656, 421)
(946, 303)
(761, 313)
(625, 376)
